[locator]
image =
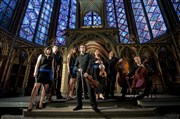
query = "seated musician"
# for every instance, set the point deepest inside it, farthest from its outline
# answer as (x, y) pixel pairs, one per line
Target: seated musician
(140, 73)
(122, 68)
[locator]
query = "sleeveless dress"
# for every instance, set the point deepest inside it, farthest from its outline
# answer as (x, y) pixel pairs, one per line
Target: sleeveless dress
(45, 70)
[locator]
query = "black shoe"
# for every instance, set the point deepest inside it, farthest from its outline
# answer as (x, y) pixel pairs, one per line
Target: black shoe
(139, 97)
(60, 97)
(77, 108)
(123, 97)
(29, 109)
(86, 97)
(96, 109)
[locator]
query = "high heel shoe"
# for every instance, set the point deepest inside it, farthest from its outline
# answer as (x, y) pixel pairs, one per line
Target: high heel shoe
(30, 108)
(40, 106)
(101, 97)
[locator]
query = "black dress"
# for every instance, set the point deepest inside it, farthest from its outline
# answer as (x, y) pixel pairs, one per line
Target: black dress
(73, 70)
(96, 76)
(45, 70)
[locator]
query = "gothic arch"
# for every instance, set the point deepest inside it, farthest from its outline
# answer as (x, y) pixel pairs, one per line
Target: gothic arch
(83, 38)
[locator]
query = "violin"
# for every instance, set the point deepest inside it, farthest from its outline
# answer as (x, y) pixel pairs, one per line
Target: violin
(102, 72)
(93, 83)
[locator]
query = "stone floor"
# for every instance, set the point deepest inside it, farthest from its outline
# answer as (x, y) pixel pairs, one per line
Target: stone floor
(160, 107)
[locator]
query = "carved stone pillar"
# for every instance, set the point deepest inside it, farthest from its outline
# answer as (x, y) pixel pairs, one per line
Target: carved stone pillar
(26, 77)
(64, 78)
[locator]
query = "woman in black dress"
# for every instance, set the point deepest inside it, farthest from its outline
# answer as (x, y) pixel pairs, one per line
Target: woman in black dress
(71, 59)
(99, 74)
(43, 74)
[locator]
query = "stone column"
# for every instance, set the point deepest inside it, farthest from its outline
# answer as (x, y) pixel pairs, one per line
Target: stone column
(64, 77)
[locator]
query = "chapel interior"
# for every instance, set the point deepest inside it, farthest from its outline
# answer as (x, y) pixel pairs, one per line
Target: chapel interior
(149, 28)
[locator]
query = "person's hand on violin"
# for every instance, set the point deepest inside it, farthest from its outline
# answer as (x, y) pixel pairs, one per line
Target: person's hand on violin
(85, 74)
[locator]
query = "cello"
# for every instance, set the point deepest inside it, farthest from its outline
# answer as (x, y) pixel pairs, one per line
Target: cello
(139, 81)
(122, 68)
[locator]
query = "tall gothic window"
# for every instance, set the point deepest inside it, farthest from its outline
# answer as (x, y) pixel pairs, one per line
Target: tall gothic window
(116, 18)
(66, 20)
(122, 22)
(7, 9)
(35, 25)
(149, 21)
(92, 19)
(176, 4)
(110, 11)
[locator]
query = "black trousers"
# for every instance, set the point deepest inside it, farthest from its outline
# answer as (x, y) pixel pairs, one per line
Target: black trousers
(58, 87)
(110, 87)
(79, 90)
(55, 85)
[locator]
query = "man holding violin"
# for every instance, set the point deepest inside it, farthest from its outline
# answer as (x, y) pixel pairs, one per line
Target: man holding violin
(83, 64)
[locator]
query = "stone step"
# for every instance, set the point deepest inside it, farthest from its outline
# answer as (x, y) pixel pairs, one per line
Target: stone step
(87, 112)
(159, 102)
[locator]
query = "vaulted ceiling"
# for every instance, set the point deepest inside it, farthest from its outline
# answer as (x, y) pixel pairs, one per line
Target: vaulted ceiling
(91, 5)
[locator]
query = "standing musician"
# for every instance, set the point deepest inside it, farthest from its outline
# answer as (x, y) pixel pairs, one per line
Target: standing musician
(99, 74)
(122, 68)
(141, 77)
(43, 72)
(71, 59)
(84, 65)
(111, 75)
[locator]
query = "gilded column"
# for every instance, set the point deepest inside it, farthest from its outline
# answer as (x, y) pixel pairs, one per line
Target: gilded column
(64, 80)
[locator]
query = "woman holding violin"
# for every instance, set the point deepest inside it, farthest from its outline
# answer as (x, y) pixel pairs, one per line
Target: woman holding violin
(99, 74)
(141, 78)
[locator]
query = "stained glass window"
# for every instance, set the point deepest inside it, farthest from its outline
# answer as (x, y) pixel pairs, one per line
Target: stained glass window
(38, 15)
(110, 12)
(141, 23)
(88, 19)
(43, 27)
(122, 22)
(66, 20)
(92, 19)
(176, 4)
(7, 8)
(72, 19)
(154, 19)
(116, 18)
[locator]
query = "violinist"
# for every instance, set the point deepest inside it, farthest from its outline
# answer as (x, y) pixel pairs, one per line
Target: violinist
(99, 74)
(141, 78)
(83, 63)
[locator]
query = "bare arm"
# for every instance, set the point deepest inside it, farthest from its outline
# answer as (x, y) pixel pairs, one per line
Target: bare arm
(53, 68)
(68, 62)
(37, 66)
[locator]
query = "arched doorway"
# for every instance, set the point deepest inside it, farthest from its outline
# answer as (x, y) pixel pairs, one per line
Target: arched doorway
(93, 41)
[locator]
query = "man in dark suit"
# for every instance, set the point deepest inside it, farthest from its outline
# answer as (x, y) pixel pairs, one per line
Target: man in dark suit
(84, 65)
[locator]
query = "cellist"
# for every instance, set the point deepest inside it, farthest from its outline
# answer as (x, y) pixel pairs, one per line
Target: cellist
(141, 78)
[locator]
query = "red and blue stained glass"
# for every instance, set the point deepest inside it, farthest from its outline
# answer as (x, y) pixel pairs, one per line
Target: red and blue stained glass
(110, 12)
(38, 15)
(30, 20)
(140, 20)
(176, 4)
(92, 19)
(155, 18)
(63, 21)
(44, 23)
(122, 22)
